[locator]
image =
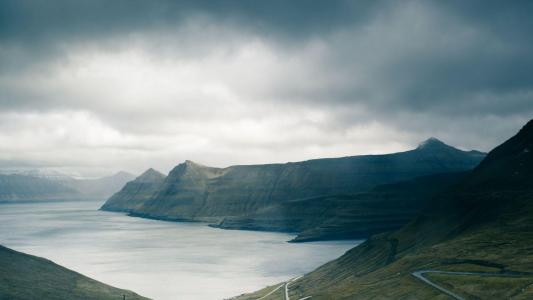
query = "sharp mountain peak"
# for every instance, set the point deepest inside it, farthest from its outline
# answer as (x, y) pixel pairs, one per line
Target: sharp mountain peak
(150, 174)
(434, 143)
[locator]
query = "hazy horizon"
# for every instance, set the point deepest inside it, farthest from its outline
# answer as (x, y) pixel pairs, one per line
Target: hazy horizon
(58, 171)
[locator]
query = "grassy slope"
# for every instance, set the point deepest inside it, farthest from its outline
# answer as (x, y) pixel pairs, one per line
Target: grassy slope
(384, 208)
(135, 192)
(475, 287)
(197, 192)
(24, 276)
(320, 199)
(484, 223)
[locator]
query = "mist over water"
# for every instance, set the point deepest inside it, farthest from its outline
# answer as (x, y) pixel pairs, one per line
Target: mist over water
(157, 259)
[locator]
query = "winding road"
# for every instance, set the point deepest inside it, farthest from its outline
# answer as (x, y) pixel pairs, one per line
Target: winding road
(286, 286)
(420, 276)
(271, 292)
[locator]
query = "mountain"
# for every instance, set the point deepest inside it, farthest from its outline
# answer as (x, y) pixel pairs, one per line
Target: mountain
(53, 175)
(136, 192)
(231, 197)
(20, 187)
(35, 185)
(27, 277)
(100, 188)
(383, 208)
(482, 227)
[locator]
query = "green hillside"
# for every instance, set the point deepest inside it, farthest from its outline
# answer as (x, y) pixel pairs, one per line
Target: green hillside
(385, 207)
(270, 197)
(485, 224)
(136, 192)
(27, 277)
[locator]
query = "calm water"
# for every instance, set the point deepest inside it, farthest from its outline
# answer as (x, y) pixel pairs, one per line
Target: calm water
(161, 260)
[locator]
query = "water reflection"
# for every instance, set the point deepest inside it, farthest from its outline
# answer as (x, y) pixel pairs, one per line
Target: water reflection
(161, 260)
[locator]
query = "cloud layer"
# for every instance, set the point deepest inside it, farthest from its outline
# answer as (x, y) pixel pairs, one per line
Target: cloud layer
(99, 86)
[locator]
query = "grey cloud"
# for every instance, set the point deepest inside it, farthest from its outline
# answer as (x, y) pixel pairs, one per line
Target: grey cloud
(320, 77)
(46, 20)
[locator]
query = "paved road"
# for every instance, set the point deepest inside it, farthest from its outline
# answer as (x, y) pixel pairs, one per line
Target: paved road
(287, 287)
(417, 274)
(420, 275)
(271, 292)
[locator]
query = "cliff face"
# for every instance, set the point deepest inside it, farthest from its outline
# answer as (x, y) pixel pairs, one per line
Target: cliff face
(196, 192)
(385, 207)
(135, 192)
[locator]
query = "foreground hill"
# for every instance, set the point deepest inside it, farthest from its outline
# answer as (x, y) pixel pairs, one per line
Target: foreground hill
(231, 196)
(27, 277)
(483, 226)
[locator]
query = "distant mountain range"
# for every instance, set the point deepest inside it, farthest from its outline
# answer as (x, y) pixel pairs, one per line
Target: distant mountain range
(100, 188)
(473, 241)
(27, 277)
(35, 185)
(321, 198)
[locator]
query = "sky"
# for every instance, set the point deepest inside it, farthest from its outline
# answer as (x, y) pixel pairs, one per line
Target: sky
(94, 87)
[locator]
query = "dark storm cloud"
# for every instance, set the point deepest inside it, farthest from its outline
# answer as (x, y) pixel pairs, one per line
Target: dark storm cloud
(36, 31)
(42, 20)
(493, 56)
(327, 75)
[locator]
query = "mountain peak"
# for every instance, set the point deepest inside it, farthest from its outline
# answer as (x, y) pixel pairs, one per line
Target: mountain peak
(433, 143)
(190, 163)
(150, 175)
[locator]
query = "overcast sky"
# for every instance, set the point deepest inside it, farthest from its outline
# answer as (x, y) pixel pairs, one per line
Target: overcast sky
(94, 87)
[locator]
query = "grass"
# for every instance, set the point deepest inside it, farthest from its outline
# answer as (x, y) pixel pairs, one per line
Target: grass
(477, 287)
(27, 277)
(381, 267)
(267, 293)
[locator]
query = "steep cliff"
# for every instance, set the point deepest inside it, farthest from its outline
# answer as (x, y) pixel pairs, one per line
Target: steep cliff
(385, 207)
(135, 192)
(275, 191)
